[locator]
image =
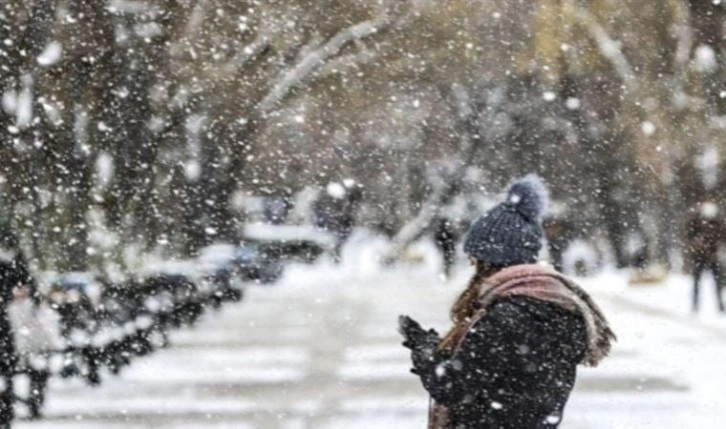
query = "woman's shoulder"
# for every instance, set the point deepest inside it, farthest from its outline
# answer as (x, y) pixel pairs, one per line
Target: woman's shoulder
(545, 322)
(536, 307)
(539, 316)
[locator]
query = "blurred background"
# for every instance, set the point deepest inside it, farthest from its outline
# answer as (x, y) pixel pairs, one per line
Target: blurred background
(182, 150)
(155, 121)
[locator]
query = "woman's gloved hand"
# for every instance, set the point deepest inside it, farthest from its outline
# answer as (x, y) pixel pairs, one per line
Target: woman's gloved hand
(415, 336)
(422, 343)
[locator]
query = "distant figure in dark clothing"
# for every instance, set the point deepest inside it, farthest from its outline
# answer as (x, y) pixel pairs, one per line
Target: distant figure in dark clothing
(276, 210)
(559, 234)
(336, 209)
(704, 232)
(445, 238)
(13, 273)
(520, 329)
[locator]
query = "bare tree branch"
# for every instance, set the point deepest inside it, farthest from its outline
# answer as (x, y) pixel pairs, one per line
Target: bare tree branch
(246, 55)
(609, 47)
(317, 58)
(685, 39)
(350, 61)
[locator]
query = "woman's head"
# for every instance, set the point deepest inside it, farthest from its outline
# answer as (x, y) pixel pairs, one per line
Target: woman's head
(511, 232)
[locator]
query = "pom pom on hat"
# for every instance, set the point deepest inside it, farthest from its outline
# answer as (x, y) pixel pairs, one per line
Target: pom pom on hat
(529, 197)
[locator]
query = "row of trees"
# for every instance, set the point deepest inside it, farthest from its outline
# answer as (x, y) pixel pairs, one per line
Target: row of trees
(137, 122)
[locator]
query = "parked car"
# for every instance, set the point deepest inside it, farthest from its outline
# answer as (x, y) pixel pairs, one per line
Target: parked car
(75, 296)
(289, 242)
(218, 271)
(258, 261)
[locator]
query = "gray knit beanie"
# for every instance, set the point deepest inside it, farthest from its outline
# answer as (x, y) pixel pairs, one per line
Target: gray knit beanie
(511, 232)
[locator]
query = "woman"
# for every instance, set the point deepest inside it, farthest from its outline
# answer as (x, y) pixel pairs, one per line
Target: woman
(520, 329)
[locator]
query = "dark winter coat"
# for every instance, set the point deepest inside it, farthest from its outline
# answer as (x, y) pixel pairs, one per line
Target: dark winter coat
(445, 238)
(704, 234)
(515, 368)
(514, 364)
(337, 214)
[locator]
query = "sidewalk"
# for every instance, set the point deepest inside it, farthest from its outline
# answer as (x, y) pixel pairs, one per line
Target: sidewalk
(320, 350)
(672, 297)
(678, 356)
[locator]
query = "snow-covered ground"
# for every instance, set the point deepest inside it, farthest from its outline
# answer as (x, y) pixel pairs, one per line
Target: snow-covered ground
(320, 350)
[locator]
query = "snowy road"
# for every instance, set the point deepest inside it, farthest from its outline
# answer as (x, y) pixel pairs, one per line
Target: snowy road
(320, 351)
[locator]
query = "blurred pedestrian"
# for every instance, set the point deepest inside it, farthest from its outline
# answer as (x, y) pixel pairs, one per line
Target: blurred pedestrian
(704, 233)
(520, 329)
(445, 238)
(14, 273)
(559, 233)
(36, 329)
(336, 209)
(277, 209)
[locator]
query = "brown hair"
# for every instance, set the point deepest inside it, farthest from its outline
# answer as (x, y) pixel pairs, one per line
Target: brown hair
(466, 304)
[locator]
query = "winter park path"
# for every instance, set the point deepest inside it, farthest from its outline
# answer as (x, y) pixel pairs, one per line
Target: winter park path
(320, 350)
